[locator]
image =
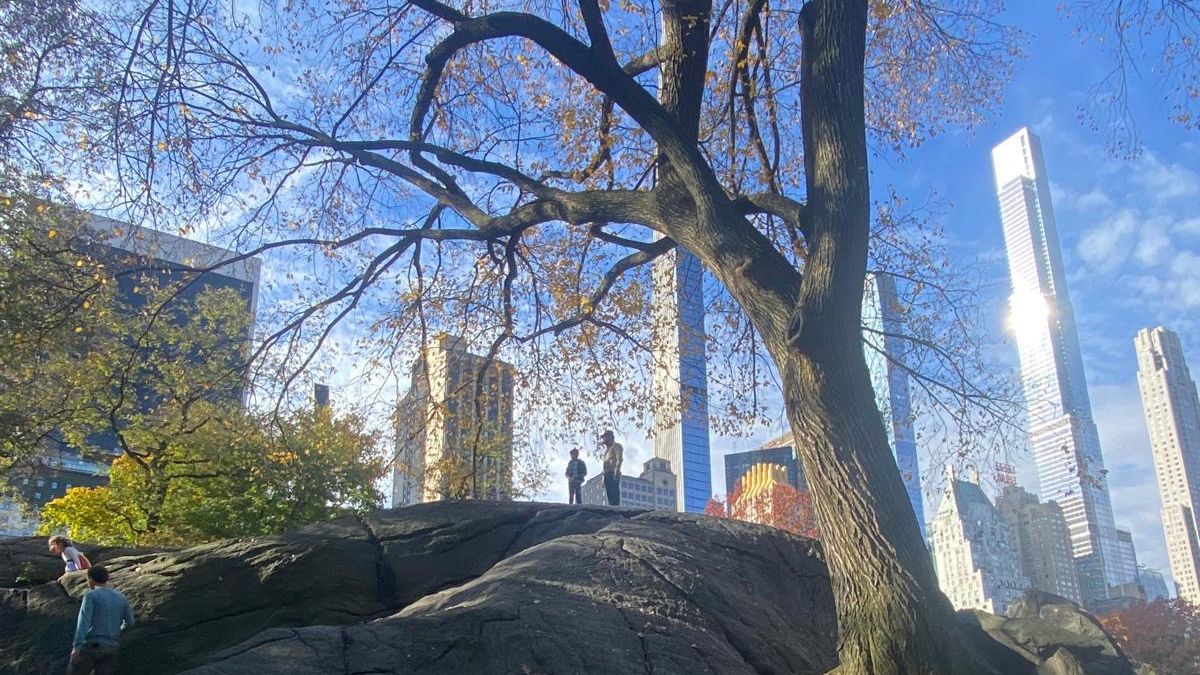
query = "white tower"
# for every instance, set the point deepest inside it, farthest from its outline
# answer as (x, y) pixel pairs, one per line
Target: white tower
(1173, 421)
(1066, 445)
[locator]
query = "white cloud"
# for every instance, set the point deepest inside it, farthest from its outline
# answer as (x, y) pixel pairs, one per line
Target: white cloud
(1062, 197)
(1175, 286)
(1107, 246)
(1185, 278)
(1093, 200)
(1187, 227)
(1154, 244)
(1162, 181)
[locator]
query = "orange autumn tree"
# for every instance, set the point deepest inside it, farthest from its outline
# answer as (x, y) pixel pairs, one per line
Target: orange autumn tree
(716, 508)
(778, 504)
(1164, 634)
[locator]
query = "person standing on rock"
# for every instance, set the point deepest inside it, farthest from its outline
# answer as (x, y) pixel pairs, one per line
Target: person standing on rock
(576, 472)
(103, 614)
(613, 455)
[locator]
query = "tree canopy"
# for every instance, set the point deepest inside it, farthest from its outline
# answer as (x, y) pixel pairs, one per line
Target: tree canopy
(781, 506)
(239, 475)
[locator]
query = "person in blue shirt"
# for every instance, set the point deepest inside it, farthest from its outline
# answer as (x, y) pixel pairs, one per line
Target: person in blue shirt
(102, 616)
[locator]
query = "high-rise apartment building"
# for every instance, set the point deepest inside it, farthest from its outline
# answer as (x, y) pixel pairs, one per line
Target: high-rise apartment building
(1043, 541)
(454, 427)
(1063, 435)
(975, 550)
(1173, 421)
(681, 376)
(142, 260)
(885, 352)
(654, 489)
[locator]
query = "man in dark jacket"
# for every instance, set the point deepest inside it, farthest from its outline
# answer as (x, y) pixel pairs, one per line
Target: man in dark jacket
(576, 472)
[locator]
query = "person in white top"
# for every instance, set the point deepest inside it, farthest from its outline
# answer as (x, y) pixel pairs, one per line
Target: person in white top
(73, 560)
(613, 455)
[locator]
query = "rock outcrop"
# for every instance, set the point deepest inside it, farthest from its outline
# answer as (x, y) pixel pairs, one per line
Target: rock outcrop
(545, 588)
(25, 561)
(1045, 634)
(486, 587)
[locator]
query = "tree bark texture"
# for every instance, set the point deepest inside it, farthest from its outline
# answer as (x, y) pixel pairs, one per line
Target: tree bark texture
(893, 619)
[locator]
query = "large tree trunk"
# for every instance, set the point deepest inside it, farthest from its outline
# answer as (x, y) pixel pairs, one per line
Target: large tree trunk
(892, 618)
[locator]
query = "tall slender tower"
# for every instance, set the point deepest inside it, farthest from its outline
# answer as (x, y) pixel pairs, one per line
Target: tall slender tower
(881, 313)
(681, 377)
(1173, 420)
(1066, 445)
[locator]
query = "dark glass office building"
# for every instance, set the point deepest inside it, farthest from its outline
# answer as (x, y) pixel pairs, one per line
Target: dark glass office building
(159, 259)
(738, 463)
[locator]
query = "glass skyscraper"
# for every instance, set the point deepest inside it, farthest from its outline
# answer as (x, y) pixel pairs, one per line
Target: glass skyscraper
(1066, 445)
(881, 314)
(681, 377)
(1173, 421)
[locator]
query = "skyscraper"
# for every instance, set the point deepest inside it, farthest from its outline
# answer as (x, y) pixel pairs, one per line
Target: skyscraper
(454, 427)
(881, 314)
(1128, 556)
(975, 550)
(681, 376)
(1153, 583)
(1066, 445)
(1173, 421)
